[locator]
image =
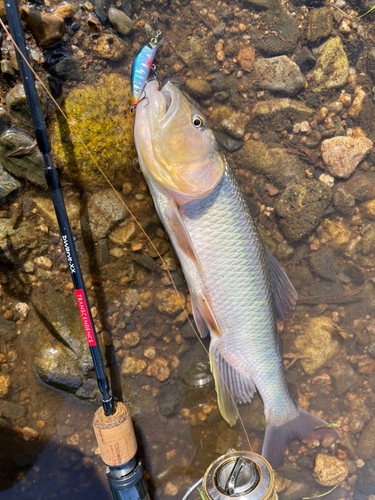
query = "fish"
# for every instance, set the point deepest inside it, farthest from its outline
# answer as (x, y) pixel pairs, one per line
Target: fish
(238, 289)
(142, 65)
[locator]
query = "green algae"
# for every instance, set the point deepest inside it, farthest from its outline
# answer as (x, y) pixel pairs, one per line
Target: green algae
(101, 117)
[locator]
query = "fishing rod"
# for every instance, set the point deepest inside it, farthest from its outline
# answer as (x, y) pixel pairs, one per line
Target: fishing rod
(112, 422)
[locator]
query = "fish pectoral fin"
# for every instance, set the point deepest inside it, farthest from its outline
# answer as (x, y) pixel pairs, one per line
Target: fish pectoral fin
(181, 234)
(231, 385)
(203, 315)
(285, 295)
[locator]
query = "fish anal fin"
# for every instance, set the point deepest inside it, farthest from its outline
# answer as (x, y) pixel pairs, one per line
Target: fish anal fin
(285, 295)
(231, 385)
(182, 236)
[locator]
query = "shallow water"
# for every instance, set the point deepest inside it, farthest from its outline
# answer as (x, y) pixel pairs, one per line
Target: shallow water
(47, 446)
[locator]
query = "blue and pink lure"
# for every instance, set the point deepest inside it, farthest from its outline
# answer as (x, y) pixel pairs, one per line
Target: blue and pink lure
(141, 68)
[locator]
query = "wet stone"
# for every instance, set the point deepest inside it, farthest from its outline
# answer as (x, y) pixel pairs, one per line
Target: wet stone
(366, 443)
(170, 399)
(331, 70)
(46, 27)
(370, 63)
(275, 112)
(110, 47)
(101, 9)
(329, 471)
(318, 344)
(198, 87)
(159, 369)
(343, 201)
(353, 50)
(301, 207)
(278, 74)
(246, 58)
(343, 154)
(367, 242)
(132, 366)
(120, 21)
(285, 28)
(276, 164)
(228, 143)
(4, 385)
(326, 288)
(17, 104)
(169, 302)
(319, 24)
(104, 210)
(325, 263)
(11, 410)
(29, 167)
(8, 184)
(343, 377)
(305, 59)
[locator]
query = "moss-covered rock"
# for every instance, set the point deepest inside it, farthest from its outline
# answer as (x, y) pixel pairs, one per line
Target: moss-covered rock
(101, 116)
(332, 67)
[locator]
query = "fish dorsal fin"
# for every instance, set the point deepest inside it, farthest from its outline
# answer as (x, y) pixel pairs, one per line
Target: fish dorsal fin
(229, 381)
(180, 232)
(203, 315)
(285, 295)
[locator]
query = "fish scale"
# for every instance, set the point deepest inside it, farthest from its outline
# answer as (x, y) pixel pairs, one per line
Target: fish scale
(233, 259)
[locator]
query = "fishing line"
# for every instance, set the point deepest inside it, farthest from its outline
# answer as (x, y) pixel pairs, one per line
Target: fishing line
(164, 265)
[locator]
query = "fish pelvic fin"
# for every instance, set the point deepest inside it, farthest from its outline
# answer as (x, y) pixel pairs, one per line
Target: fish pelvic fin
(181, 234)
(231, 385)
(285, 295)
(203, 315)
(304, 426)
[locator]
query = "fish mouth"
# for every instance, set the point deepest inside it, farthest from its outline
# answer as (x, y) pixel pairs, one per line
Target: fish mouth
(170, 93)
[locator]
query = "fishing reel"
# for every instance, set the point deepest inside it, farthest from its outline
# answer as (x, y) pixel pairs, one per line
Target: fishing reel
(237, 474)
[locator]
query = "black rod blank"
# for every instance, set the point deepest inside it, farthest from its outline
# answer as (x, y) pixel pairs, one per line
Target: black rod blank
(58, 202)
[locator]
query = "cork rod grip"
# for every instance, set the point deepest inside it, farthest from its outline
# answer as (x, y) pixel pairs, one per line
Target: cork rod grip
(115, 435)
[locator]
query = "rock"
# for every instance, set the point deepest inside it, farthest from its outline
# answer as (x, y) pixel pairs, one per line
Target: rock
(279, 166)
(4, 385)
(101, 9)
(326, 288)
(285, 33)
(305, 59)
(60, 353)
(317, 344)
(235, 124)
(325, 263)
(99, 111)
(110, 47)
(8, 184)
(132, 366)
(131, 299)
(337, 234)
(367, 242)
(361, 186)
(228, 143)
(158, 369)
(120, 21)
(46, 27)
(43, 262)
(122, 234)
(169, 302)
(170, 399)
(65, 10)
(366, 443)
(343, 377)
(26, 433)
(196, 53)
(370, 63)
(11, 410)
(353, 50)
(198, 87)
(331, 70)
(278, 74)
(357, 106)
(4, 119)
(29, 167)
(46, 209)
(17, 104)
(301, 207)
(273, 5)
(7, 67)
(104, 209)
(65, 67)
(319, 24)
(343, 154)
(343, 201)
(329, 471)
(246, 58)
(277, 111)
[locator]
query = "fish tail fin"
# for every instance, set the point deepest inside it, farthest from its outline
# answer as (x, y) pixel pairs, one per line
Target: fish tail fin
(305, 427)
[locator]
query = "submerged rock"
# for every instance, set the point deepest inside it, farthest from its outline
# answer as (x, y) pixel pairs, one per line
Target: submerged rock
(285, 32)
(317, 345)
(47, 28)
(278, 74)
(276, 111)
(110, 47)
(337, 234)
(325, 263)
(366, 443)
(301, 207)
(8, 184)
(29, 167)
(120, 21)
(198, 87)
(103, 118)
(332, 67)
(17, 104)
(319, 24)
(342, 154)
(279, 166)
(329, 471)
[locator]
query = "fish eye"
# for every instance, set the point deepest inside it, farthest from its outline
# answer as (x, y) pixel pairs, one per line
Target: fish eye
(197, 121)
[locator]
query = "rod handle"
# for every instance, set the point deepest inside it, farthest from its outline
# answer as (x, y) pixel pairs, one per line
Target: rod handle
(115, 435)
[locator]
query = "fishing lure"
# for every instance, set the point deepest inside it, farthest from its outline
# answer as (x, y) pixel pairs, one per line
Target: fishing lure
(142, 65)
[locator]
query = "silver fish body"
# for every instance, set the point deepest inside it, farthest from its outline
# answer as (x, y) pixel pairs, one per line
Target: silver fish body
(237, 288)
